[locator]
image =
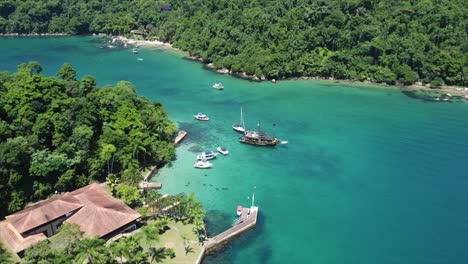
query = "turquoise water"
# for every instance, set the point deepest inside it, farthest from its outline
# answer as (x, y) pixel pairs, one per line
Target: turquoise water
(369, 174)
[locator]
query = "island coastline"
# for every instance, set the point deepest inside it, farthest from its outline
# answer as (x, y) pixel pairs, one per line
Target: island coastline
(428, 92)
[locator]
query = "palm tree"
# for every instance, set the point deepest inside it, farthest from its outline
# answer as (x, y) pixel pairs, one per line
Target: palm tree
(119, 249)
(159, 254)
(128, 248)
(93, 250)
(112, 182)
(150, 234)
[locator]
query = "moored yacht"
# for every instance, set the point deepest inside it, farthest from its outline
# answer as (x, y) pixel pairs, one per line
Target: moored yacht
(239, 127)
(207, 155)
(222, 150)
(202, 164)
(239, 210)
(201, 117)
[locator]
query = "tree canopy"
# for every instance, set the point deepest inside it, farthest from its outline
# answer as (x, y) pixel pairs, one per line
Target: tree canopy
(58, 134)
(386, 41)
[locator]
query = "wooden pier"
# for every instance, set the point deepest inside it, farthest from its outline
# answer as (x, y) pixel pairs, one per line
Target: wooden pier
(180, 136)
(247, 220)
(144, 185)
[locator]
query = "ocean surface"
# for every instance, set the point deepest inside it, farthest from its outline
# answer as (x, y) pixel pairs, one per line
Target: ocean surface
(369, 175)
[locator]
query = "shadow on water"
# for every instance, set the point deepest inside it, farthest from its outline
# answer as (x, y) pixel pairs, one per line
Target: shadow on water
(198, 134)
(248, 240)
(217, 221)
(426, 96)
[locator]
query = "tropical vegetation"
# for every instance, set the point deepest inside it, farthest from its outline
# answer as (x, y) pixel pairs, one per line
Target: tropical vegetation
(387, 41)
(60, 133)
(69, 245)
(5, 256)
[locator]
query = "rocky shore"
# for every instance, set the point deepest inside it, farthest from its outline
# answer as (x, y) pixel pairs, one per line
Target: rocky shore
(419, 90)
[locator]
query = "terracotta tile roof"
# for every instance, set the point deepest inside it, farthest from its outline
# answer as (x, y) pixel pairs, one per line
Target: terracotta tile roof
(43, 212)
(14, 240)
(101, 213)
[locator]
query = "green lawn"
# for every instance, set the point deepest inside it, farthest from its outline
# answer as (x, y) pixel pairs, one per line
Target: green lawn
(58, 241)
(172, 238)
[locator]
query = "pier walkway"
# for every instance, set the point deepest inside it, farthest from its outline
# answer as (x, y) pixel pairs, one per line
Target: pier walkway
(144, 185)
(248, 220)
(180, 136)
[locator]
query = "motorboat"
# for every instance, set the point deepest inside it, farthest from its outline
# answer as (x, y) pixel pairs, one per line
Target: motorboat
(218, 86)
(239, 210)
(202, 164)
(222, 150)
(135, 50)
(201, 117)
(239, 127)
(207, 155)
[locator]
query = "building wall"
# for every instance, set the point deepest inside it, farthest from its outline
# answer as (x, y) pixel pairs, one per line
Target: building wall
(126, 228)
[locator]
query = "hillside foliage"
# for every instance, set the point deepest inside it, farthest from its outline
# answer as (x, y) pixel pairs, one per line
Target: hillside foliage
(385, 41)
(59, 133)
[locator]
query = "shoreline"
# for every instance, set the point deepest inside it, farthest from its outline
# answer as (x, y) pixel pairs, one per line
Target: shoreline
(442, 93)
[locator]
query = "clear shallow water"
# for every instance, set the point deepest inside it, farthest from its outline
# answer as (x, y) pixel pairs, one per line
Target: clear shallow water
(369, 175)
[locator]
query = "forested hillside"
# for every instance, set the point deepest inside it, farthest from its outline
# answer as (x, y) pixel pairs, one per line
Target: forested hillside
(384, 41)
(58, 133)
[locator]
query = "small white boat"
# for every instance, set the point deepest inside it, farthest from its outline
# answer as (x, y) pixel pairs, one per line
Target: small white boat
(239, 210)
(218, 86)
(240, 127)
(222, 150)
(135, 51)
(202, 164)
(140, 59)
(284, 142)
(201, 117)
(207, 155)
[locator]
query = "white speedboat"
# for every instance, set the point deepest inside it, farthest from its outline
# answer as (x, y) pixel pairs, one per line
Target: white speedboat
(135, 51)
(202, 164)
(239, 210)
(222, 150)
(240, 127)
(207, 155)
(201, 117)
(218, 86)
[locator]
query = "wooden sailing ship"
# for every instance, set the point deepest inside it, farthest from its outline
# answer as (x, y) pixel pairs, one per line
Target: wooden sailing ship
(258, 138)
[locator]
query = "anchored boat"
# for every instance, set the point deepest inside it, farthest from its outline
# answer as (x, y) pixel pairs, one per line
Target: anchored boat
(201, 117)
(239, 127)
(222, 150)
(259, 138)
(207, 155)
(202, 164)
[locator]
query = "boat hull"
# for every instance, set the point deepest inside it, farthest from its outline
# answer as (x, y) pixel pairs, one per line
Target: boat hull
(201, 118)
(257, 142)
(224, 152)
(258, 138)
(205, 165)
(238, 129)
